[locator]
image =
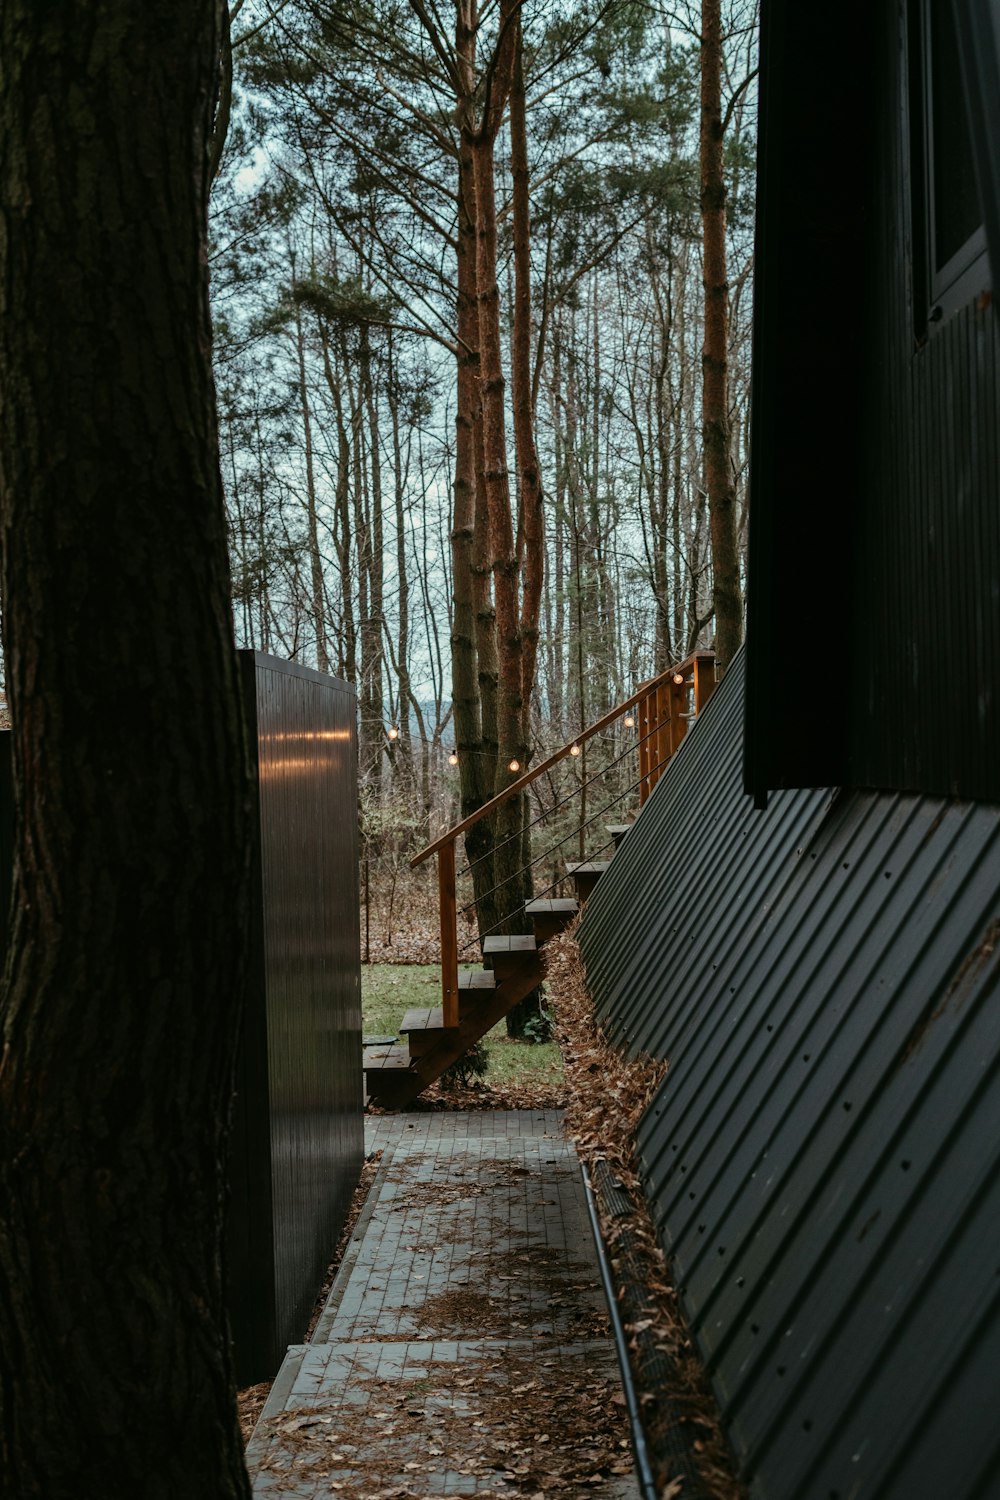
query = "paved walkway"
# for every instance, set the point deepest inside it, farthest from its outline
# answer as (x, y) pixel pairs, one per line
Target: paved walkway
(464, 1348)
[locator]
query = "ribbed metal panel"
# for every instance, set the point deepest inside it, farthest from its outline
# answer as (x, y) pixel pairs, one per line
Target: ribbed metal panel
(822, 1157)
(299, 1126)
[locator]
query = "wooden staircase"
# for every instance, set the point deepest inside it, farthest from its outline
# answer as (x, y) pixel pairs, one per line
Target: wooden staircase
(395, 1073)
(474, 1000)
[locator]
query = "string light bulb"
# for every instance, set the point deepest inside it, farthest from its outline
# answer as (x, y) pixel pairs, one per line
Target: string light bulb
(453, 759)
(630, 721)
(393, 732)
(574, 749)
(515, 765)
(678, 679)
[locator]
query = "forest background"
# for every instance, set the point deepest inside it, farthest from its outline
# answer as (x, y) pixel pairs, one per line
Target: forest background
(475, 439)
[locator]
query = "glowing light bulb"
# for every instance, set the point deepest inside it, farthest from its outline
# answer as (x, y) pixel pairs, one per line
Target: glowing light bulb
(574, 749)
(515, 765)
(453, 759)
(630, 721)
(393, 732)
(678, 679)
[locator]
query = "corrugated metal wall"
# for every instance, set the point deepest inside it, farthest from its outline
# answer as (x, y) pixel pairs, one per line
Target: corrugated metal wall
(299, 1126)
(822, 1157)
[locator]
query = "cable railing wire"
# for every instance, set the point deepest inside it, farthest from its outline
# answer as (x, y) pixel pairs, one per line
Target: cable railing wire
(546, 853)
(538, 896)
(467, 868)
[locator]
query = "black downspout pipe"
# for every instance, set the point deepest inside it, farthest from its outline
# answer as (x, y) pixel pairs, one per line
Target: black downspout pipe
(644, 1472)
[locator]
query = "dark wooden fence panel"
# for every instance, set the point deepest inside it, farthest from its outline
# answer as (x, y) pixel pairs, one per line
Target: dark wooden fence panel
(299, 1129)
(874, 589)
(924, 667)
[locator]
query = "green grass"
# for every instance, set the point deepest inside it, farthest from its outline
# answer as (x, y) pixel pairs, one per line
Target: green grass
(389, 990)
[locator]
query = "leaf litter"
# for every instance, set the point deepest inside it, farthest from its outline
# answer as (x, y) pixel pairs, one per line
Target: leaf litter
(519, 1424)
(607, 1094)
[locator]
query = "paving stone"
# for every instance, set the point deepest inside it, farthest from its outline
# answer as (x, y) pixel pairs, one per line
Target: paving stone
(473, 1256)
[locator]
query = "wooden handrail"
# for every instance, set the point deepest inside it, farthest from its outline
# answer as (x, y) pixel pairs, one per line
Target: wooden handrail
(687, 666)
(660, 697)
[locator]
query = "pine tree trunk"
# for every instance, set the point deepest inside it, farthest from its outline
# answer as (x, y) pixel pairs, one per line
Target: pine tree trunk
(121, 994)
(312, 516)
(503, 909)
(373, 651)
(472, 651)
(715, 356)
(532, 528)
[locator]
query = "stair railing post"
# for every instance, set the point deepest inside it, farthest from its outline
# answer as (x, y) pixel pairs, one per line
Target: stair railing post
(704, 681)
(664, 729)
(678, 713)
(647, 746)
(449, 934)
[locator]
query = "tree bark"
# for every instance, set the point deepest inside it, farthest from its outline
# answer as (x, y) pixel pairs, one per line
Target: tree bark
(472, 647)
(530, 548)
(728, 596)
(532, 529)
(372, 651)
(500, 911)
(121, 994)
(312, 513)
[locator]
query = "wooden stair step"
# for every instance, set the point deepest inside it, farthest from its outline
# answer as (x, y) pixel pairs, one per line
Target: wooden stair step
(586, 873)
(618, 831)
(521, 943)
(419, 1019)
(388, 1076)
(425, 1028)
(475, 979)
(551, 915)
(378, 1058)
(510, 955)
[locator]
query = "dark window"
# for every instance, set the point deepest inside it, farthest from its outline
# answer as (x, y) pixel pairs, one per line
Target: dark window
(950, 261)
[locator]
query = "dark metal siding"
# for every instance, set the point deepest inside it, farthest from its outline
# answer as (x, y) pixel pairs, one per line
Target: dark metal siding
(924, 675)
(299, 1107)
(808, 345)
(822, 1158)
(875, 475)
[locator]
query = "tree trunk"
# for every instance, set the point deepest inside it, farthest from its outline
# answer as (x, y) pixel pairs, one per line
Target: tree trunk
(472, 654)
(532, 528)
(122, 988)
(372, 651)
(342, 519)
(406, 698)
(715, 356)
(315, 559)
(507, 897)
